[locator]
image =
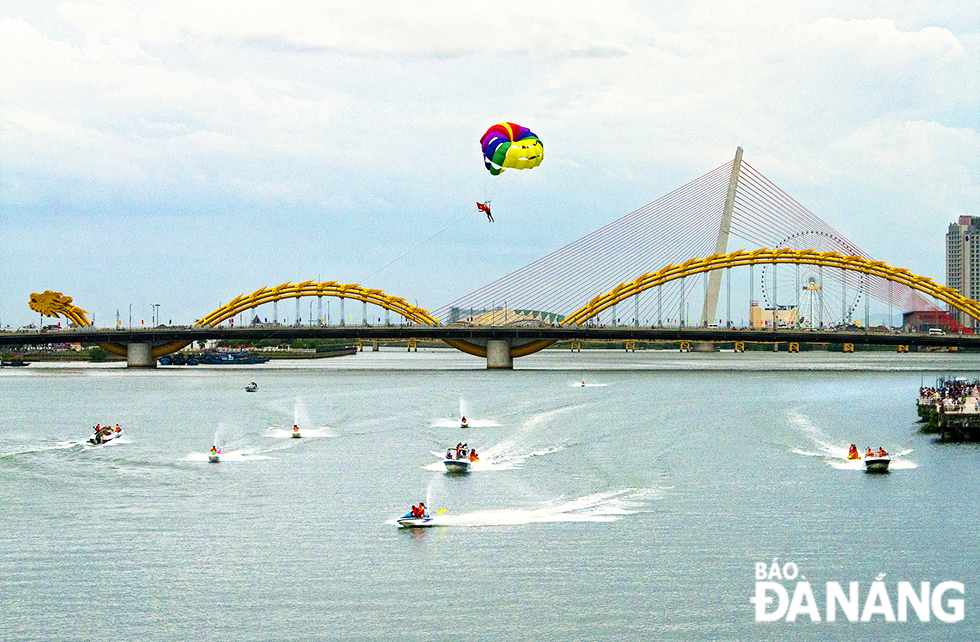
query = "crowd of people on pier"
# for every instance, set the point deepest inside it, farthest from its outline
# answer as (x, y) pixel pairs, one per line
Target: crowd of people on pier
(950, 395)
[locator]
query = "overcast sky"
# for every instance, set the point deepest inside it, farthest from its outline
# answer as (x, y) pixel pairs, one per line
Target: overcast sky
(182, 153)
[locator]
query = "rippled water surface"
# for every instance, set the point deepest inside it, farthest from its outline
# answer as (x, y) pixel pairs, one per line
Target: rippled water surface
(635, 506)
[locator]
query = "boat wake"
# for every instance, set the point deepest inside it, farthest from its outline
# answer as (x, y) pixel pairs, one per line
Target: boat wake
(444, 422)
(233, 455)
(501, 456)
(84, 444)
(307, 433)
(836, 455)
(842, 463)
(597, 507)
(582, 384)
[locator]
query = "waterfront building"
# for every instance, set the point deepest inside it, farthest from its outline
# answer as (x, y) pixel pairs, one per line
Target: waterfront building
(963, 262)
(760, 318)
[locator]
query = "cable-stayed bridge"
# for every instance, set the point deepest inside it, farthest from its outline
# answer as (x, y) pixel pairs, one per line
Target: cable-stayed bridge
(640, 274)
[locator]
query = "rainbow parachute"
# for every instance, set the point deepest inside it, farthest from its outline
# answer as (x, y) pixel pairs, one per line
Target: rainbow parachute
(510, 146)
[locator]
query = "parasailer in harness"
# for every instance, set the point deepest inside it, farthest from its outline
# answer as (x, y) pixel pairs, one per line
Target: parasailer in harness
(485, 208)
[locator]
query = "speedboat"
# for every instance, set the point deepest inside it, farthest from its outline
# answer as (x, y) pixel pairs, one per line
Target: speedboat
(458, 466)
(410, 521)
(252, 387)
(104, 435)
(876, 464)
(103, 438)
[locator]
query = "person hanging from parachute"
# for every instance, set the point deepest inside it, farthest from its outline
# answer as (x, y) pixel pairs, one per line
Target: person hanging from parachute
(509, 146)
(485, 207)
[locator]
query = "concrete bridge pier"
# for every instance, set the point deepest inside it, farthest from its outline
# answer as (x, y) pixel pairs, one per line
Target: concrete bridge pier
(498, 355)
(704, 346)
(139, 355)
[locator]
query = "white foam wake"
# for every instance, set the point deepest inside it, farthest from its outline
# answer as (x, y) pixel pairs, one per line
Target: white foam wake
(232, 455)
(306, 433)
(500, 456)
(597, 507)
(449, 422)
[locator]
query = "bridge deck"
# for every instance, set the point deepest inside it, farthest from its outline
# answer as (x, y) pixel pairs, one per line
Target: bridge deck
(556, 333)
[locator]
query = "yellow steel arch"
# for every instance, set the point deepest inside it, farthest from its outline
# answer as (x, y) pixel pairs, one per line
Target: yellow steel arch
(290, 290)
(773, 257)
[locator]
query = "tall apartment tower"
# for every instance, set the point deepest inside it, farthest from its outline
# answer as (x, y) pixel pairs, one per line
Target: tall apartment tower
(963, 262)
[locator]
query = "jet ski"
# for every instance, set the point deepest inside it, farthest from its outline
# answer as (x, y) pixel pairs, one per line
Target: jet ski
(410, 521)
(214, 456)
(296, 434)
(462, 423)
(252, 387)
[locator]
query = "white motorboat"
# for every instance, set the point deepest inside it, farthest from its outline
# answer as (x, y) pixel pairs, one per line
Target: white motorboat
(457, 465)
(100, 439)
(459, 459)
(876, 464)
(105, 435)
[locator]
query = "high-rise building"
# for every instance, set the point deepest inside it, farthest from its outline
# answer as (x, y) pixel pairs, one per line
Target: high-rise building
(963, 262)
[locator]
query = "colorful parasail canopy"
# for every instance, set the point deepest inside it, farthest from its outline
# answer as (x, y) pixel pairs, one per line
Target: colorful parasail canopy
(510, 146)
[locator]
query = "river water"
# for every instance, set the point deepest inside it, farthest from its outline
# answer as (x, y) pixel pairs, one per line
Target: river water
(636, 506)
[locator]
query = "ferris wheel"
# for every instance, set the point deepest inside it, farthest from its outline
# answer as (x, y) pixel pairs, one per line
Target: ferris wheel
(813, 296)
